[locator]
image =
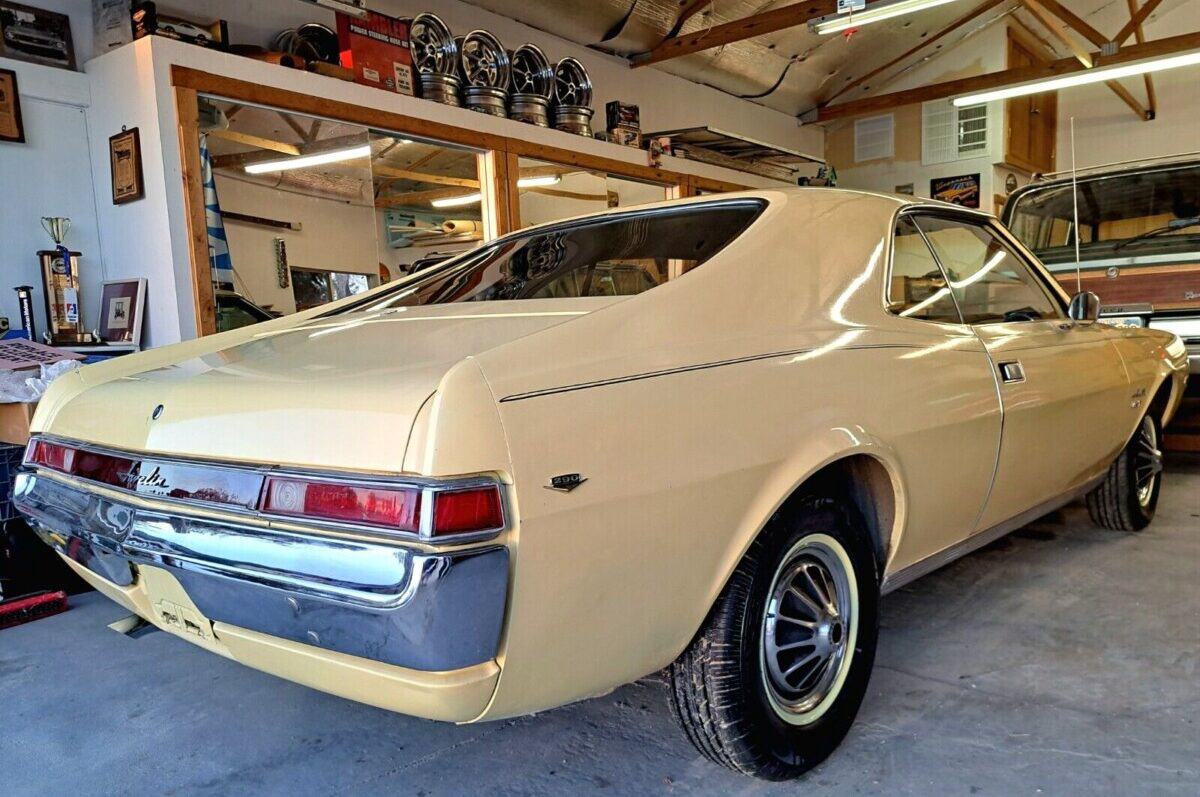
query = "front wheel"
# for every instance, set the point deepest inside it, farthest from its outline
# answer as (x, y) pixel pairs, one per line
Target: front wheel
(775, 677)
(1128, 496)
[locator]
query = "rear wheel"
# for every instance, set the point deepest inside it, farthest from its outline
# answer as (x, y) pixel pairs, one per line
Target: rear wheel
(1128, 496)
(775, 677)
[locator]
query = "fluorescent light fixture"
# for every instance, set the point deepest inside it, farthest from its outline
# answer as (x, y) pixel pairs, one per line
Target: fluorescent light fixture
(307, 161)
(1099, 74)
(874, 12)
(471, 199)
(537, 182)
(456, 201)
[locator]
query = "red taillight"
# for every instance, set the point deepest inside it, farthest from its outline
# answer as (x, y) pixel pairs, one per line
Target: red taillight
(464, 511)
(104, 468)
(101, 468)
(393, 508)
(50, 455)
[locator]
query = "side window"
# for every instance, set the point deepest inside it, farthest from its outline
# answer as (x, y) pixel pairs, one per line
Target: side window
(989, 281)
(918, 288)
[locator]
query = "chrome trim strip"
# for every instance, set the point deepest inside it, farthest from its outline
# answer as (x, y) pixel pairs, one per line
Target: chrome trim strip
(976, 541)
(427, 487)
(381, 602)
(618, 380)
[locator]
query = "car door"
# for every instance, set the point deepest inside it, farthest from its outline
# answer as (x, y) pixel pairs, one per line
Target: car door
(943, 409)
(1062, 384)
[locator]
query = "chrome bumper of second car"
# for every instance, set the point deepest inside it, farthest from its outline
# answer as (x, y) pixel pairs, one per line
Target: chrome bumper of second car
(382, 602)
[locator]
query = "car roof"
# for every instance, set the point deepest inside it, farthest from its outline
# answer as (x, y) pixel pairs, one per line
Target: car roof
(782, 193)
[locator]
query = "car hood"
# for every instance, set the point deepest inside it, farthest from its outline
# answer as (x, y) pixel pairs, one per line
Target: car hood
(298, 394)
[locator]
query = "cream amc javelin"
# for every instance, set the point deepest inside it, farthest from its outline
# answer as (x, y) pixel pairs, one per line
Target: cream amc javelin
(702, 436)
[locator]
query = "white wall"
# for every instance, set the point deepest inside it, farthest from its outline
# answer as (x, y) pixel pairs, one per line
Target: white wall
(1107, 131)
(48, 175)
(983, 52)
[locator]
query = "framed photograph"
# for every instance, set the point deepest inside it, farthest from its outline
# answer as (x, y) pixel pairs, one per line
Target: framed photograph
(11, 127)
(33, 34)
(122, 309)
(125, 158)
(961, 190)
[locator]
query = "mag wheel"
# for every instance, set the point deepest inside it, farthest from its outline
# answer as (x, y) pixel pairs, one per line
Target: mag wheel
(1127, 498)
(809, 629)
(774, 679)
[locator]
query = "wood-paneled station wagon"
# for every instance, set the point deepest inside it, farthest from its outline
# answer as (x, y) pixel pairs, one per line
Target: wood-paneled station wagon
(704, 435)
(1138, 241)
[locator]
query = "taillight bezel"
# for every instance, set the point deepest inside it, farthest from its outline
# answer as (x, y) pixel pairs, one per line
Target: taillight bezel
(428, 489)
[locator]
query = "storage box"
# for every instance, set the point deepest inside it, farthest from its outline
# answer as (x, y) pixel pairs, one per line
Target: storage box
(14, 423)
(376, 50)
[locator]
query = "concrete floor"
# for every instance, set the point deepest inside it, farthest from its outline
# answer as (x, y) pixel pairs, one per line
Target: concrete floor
(1061, 660)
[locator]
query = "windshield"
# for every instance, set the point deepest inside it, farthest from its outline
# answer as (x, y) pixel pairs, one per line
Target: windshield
(1132, 215)
(616, 255)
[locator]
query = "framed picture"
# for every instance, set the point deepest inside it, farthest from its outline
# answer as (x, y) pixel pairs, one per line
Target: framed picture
(33, 34)
(122, 308)
(11, 127)
(125, 158)
(961, 190)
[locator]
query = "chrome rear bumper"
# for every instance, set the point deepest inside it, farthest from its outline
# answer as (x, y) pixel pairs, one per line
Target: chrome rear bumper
(390, 604)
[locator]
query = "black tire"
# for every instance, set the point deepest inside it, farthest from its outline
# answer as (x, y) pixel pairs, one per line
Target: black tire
(718, 688)
(1118, 503)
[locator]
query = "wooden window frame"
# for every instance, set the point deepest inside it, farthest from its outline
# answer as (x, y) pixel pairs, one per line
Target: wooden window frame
(499, 175)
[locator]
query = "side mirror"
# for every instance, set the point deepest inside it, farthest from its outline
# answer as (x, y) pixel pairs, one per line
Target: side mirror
(1085, 307)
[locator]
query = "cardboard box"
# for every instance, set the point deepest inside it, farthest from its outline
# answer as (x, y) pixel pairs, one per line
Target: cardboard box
(376, 50)
(14, 423)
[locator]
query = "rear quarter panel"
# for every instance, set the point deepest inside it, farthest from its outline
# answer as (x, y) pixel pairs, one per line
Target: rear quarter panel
(612, 580)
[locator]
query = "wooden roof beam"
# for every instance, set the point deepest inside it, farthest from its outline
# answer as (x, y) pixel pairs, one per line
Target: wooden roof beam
(1059, 30)
(953, 26)
(1136, 20)
(1140, 38)
(1066, 66)
(1075, 22)
(747, 28)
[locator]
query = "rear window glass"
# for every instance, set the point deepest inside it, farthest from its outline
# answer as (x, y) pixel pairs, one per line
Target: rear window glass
(618, 255)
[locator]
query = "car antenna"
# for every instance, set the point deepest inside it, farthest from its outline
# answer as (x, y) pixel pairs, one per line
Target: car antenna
(1075, 201)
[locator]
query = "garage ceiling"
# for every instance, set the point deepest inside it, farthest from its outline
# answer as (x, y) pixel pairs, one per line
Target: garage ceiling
(792, 70)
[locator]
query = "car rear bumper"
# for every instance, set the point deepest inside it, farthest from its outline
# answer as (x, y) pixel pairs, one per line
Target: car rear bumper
(312, 608)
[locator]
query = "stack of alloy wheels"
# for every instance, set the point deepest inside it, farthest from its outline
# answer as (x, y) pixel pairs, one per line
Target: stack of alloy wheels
(487, 70)
(532, 86)
(435, 56)
(573, 98)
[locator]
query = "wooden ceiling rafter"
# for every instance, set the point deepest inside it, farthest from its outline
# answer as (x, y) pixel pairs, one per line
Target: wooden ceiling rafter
(1136, 21)
(1139, 36)
(953, 26)
(1077, 23)
(1152, 49)
(1062, 32)
(778, 19)
(290, 121)
(257, 142)
(390, 172)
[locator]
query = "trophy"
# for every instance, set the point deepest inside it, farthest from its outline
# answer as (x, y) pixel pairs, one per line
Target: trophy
(60, 278)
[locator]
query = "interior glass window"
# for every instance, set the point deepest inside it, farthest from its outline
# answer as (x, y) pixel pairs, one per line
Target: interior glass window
(918, 288)
(988, 280)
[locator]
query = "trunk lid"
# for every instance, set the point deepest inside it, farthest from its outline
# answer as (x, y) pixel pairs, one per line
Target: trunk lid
(307, 394)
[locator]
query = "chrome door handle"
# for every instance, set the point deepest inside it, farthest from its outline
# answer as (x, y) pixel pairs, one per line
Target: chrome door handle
(1011, 372)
